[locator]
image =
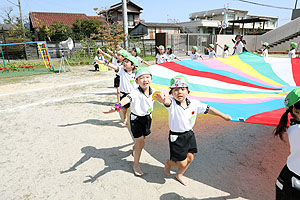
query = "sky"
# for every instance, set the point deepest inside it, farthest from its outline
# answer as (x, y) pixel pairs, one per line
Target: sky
(154, 10)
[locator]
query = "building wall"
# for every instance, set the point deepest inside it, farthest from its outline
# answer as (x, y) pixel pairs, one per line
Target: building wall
(153, 30)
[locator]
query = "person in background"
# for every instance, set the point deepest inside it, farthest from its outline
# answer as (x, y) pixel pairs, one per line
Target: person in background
(98, 57)
(161, 57)
(225, 49)
(211, 51)
(238, 46)
(136, 52)
(292, 52)
(194, 55)
(264, 50)
(170, 56)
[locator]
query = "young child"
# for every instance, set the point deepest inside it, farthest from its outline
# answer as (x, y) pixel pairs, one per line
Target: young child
(288, 182)
(136, 52)
(264, 50)
(238, 46)
(98, 57)
(292, 52)
(211, 51)
(170, 56)
(127, 79)
(141, 108)
(161, 57)
(182, 115)
(194, 55)
(225, 49)
(118, 61)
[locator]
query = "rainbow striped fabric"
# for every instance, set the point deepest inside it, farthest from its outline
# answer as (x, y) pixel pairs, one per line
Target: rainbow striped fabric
(246, 86)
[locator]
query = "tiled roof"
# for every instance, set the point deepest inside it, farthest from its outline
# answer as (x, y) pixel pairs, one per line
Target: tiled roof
(49, 17)
(157, 24)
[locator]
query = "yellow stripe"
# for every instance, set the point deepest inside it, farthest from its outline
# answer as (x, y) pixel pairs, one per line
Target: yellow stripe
(222, 96)
(237, 63)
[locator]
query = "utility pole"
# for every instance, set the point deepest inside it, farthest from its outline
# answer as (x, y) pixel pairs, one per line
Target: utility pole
(125, 23)
(296, 4)
(21, 17)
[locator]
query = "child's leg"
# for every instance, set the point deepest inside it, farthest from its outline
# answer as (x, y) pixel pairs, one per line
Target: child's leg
(138, 147)
(118, 94)
(124, 110)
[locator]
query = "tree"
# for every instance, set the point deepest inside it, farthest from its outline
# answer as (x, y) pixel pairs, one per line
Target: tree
(85, 28)
(7, 18)
(60, 31)
(111, 33)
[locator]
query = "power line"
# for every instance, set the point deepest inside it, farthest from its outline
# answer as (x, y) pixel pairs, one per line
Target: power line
(12, 3)
(265, 5)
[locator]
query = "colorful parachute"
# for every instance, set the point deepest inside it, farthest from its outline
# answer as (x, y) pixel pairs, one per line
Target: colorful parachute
(246, 86)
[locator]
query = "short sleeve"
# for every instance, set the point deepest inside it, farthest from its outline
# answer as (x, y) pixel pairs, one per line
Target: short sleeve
(133, 95)
(157, 56)
(202, 108)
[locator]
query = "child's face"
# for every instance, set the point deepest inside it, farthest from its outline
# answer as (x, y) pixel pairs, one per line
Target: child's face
(161, 51)
(133, 53)
(296, 113)
(193, 50)
(180, 93)
(120, 58)
(168, 50)
(128, 65)
(144, 81)
(210, 48)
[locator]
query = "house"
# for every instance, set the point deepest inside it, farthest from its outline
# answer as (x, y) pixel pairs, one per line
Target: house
(40, 18)
(133, 13)
(234, 21)
(149, 29)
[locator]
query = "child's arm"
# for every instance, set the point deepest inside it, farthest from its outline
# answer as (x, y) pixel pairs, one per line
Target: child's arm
(161, 98)
(105, 54)
(214, 111)
(146, 63)
(110, 51)
(108, 64)
(123, 102)
(219, 45)
(177, 58)
(201, 57)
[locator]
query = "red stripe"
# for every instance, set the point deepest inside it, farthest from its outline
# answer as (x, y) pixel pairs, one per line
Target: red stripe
(296, 70)
(185, 70)
(270, 118)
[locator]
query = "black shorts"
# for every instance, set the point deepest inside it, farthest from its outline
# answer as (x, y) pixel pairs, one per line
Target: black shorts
(140, 125)
(117, 81)
(181, 144)
(123, 94)
(96, 67)
(284, 189)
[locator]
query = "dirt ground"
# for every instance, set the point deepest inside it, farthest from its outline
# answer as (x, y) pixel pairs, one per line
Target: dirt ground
(55, 143)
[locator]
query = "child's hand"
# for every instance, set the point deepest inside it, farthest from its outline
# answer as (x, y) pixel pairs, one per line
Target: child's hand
(112, 109)
(227, 117)
(160, 97)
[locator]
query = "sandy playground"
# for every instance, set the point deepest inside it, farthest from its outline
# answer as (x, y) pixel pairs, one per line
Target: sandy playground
(55, 143)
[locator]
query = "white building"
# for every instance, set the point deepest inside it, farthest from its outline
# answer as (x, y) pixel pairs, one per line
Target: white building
(210, 21)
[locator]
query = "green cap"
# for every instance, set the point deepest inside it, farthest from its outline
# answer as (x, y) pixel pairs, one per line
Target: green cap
(212, 46)
(294, 44)
(169, 47)
(227, 45)
(266, 44)
(292, 98)
(179, 81)
(132, 59)
(195, 48)
(161, 47)
(138, 51)
(142, 71)
(123, 53)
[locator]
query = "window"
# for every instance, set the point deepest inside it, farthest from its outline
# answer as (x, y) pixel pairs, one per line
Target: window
(231, 16)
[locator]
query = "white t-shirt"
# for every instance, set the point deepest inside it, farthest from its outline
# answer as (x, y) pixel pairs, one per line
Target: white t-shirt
(98, 58)
(127, 81)
(171, 57)
(116, 63)
(211, 54)
(161, 58)
(180, 119)
(265, 53)
(225, 53)
(140, 60)
(141, 105)
(293, 161)
(194, 56)
(238, 47)
(292, 53)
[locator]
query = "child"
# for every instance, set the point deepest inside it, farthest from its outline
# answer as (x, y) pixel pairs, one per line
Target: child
(193, 54)
(182, 115)
(211, 51)
(292, 52)
(141, 108)
(136, 52)
(118, 61)
(127, 79)
(288, 182)
(161, 57)
(98, 57)
(225, 49)
(170, 56)
(238, 46)
(264, 50)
